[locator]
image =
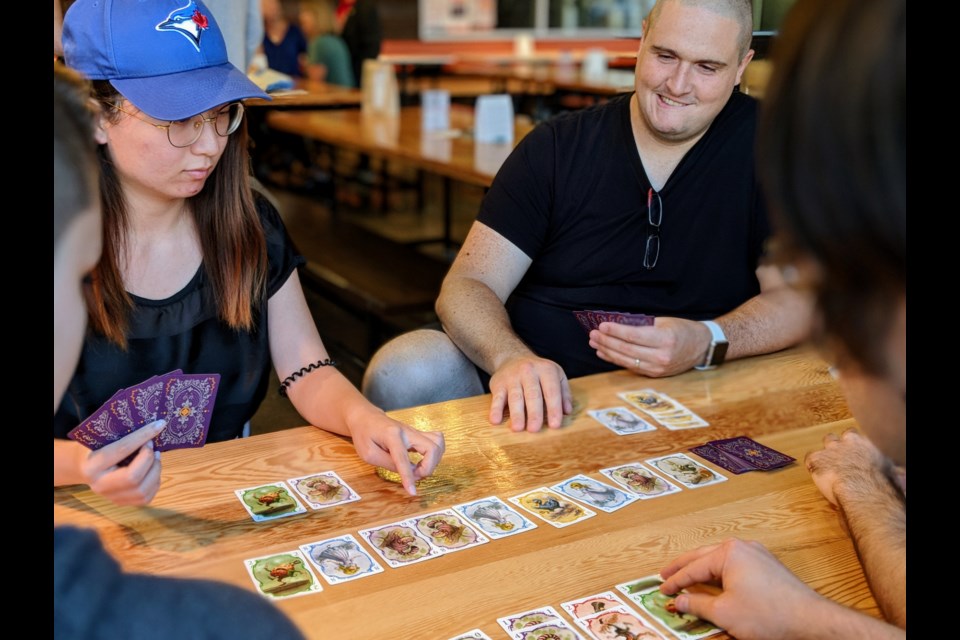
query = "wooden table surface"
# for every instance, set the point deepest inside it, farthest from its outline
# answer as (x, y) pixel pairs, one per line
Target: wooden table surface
(401, 138)
(196, 527)
(309, 94)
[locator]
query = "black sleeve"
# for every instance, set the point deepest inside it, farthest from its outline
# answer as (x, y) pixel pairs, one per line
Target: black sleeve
(370, 36)
(282, 255)
(520, 202)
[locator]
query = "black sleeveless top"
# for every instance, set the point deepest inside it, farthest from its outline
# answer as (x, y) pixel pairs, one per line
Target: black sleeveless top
(184, 332)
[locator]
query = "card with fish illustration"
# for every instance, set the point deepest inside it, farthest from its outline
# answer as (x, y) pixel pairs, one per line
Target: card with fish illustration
(597, 494)
(637, 478)
(448, 530)
(645, 592)
(686, 470)
(495, 517)
(617, 624)
(341, 559)
(592, 605)
(270, 501)
(400, 544)
(552, 507)
(516, 623)
(664, 409)
(321, 490)
(473, 634)
(282, 575)
(621, 420)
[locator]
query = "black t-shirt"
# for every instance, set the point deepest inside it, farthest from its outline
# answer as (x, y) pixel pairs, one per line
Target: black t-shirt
(573, 197)
(184, 332)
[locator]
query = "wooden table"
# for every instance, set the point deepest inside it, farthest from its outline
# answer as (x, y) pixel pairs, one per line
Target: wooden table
(309, 94)
(451, 157)
(197, 528)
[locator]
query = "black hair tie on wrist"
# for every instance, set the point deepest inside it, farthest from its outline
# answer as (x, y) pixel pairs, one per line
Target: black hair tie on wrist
(290, 379)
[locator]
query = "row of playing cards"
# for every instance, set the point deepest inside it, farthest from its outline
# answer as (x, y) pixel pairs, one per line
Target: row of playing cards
(276, 500)
(591, 320)
(664, 409)
(605, 616)
(742, 454)
(184, 400)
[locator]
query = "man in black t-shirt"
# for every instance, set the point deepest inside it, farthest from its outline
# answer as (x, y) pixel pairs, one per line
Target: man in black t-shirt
(646, 204)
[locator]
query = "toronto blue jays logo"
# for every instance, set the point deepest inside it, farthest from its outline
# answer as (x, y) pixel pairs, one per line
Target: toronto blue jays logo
(187, 21)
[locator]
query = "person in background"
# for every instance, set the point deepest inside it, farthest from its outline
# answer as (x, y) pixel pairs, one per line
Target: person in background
(359, 26)
(328, 59)
(242, 26)
(648, 204)
(197, 271)
(833, 152)
(283, 42)
(92, 597)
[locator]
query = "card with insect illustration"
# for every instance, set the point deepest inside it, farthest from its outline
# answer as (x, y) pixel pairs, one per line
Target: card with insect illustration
(495, 517)
(341, 559)
(270, 501)
(448, 530)
(282, 575)
(400, 544)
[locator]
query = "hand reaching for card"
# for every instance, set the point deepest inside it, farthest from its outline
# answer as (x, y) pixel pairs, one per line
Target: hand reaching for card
(382, 441)
(671, 346)
(755, 590)
(134, 484)
(529, 387)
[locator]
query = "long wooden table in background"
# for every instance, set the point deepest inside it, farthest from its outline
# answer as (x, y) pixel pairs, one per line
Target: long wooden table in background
(197, 528)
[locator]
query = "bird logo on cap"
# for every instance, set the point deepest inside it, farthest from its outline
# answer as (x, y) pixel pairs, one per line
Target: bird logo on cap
(188, 22)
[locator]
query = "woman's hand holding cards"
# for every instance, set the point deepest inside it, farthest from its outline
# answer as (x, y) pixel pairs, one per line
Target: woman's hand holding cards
(134, 484)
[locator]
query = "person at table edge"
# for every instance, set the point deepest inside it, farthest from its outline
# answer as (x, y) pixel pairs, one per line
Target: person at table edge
(647, 204)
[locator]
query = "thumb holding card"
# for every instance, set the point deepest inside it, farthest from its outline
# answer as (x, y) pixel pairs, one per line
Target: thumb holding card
(126, 471)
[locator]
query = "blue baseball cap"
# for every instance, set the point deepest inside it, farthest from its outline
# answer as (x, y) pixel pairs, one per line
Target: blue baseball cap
(167, 57)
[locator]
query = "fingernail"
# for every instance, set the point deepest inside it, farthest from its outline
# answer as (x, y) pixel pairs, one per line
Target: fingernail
(156, 454)
(149, 445)
(681, 603)
(159, 425)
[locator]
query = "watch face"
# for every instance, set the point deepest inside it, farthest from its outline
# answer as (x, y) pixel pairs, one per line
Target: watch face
(719, 353)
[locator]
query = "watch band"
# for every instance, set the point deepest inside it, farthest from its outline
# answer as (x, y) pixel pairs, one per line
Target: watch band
(717, 351)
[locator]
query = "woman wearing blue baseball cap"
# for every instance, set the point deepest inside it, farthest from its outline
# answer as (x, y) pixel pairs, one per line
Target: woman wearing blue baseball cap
(197, 271)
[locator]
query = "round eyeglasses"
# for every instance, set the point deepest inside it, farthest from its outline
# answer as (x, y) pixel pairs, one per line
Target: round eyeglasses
(183, 133)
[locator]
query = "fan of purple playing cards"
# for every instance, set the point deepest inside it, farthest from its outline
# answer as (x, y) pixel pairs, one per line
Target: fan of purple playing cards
(184, 400)
(591, 320)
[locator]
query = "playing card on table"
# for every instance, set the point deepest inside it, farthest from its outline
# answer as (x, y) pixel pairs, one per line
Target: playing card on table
(664, 409)
(282, 575)
(400, 544)
(270, 501)
(556, 630)
(595, 493)
(617, 624)
(448, 530)
(686, 470)
(637, 478)
(621, 420)
(187, 407)
(341, 559)
(722, 459)
(495, 517)
(752, 452)
(474, 634)
(321, 490)
(517, 622)
(645, 592)
(552, 507)
(592, 605)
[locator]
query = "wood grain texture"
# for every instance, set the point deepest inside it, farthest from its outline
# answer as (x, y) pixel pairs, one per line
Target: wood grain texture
(311, 94)
(401, 139)
(197, 528)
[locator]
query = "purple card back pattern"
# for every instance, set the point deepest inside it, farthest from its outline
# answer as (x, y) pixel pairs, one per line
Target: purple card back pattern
(188, 407)
(752, 452)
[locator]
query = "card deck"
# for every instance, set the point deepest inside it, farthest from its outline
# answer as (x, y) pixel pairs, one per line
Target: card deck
(283, 575)
(664, 409)
(591, 320)
(400, 544)
(599, 495)
(686, 470)
(752, 452)
(552, 507)
(448, 530)
(322, 490)
(270, 502)
(621, 420)
(494, 517)
(645, 592)
(721, 459)
(637, 478)
(341, 559)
